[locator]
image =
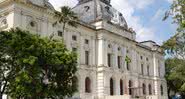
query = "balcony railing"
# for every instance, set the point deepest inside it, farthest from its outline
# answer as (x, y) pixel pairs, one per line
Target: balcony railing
(118, 97)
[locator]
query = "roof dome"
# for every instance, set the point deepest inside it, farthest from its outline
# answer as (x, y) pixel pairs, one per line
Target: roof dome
(114, 16)
(91, 11)
(42, 3)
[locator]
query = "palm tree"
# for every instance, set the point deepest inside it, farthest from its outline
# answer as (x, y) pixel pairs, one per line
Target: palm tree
(66, 16)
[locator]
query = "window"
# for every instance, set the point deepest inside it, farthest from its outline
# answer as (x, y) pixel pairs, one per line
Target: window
(130, 87)
(87, 8)
(148, 70)
(128, 65)
(86, 41)
(121, 87)
(87, 85)
(119, 48)
(111, 86)
(109, 60)
(147, 59)
(159, 69)
(142, 69)
(60, 33)
(162, 90)
(32, 24)
(86, 57)
(74, 49)
(144, 89)
(141, 57)
(109, 46)
(119, 62)
(74, 38)
(150, 89)
(127, 51)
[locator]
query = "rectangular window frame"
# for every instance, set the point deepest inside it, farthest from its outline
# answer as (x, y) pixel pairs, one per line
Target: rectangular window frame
(86, 57)
(119, 61)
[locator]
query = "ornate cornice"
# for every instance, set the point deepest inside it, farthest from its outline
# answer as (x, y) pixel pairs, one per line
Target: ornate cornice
(28, 4)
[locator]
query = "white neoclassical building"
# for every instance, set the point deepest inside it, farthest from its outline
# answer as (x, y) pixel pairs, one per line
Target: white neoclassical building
(112, 64)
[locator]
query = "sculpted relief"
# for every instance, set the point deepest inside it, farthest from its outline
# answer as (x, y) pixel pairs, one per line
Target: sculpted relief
(3, 23)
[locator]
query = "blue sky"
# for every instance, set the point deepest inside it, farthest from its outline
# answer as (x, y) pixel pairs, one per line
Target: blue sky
(144, 16)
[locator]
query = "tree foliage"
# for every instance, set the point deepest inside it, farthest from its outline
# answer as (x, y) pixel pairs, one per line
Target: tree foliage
(177, 11)
(175, 74)
(176, 44)
(175, 48)
(66, 16)
(35, 67)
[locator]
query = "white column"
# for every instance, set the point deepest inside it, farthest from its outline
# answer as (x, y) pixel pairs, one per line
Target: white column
(100, 67)
(115, 53)
(156, 82)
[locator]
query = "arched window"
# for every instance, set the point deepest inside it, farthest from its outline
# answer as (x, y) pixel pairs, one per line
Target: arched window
(162, 90)
(144, 89)
(121, 87)
(130, 87)
(111, 86)
(87, 85)
(150, 89)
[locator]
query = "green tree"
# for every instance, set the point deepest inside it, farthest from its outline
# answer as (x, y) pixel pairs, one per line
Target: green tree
(176, 45)
(66, 16)
(42, 68)
(7, 70)
(175, 75)
(175, 48)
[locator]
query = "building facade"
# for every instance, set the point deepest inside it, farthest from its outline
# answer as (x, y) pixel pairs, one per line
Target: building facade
(112, 64)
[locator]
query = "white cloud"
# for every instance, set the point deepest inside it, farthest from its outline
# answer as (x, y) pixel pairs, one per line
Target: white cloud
(158, 15)
(59, 3)
(128, 7)
(141, 4)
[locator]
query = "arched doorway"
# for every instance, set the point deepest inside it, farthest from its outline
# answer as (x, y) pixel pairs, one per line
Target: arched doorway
(144, 89)
(150, 89)
(121, 87)
(87, 85)
(111, 86)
